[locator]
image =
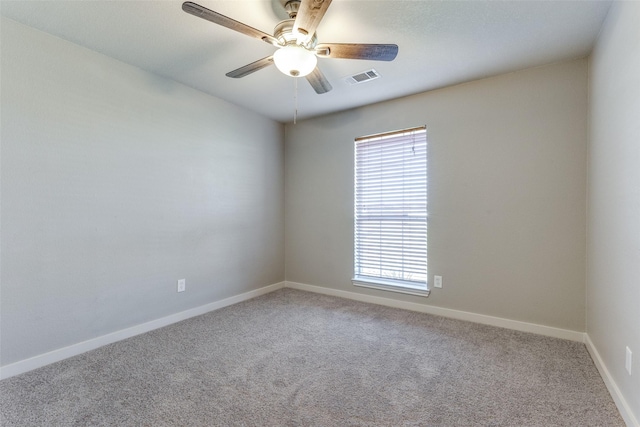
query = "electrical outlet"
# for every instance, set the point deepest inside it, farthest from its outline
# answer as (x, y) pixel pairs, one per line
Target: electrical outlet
(627, 362)
(182, 285)
(437, 281)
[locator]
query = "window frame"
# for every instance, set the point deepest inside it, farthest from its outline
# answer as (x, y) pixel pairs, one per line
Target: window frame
(419, 287)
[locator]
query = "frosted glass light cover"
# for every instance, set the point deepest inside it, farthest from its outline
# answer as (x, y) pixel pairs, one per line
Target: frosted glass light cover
(295, 61)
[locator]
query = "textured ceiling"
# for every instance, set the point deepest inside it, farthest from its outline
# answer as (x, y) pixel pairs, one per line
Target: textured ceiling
(440, 43)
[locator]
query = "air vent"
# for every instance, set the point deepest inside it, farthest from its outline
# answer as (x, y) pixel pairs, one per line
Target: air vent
(365, 76)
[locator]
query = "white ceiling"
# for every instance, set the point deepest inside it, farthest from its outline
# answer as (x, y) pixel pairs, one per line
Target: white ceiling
(440, 43)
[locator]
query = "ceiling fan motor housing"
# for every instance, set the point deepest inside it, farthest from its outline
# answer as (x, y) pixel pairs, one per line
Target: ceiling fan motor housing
(283, 32)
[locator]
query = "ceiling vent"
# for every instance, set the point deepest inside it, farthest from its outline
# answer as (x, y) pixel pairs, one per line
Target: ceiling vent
(362, 77)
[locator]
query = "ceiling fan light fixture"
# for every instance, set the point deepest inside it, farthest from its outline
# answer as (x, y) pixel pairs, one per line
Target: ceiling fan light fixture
(294, 60)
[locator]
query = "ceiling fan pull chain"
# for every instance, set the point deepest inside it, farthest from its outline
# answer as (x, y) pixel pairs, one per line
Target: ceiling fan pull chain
(295, 99)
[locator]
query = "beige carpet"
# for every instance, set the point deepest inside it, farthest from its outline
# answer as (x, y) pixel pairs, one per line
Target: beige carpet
(293, 358)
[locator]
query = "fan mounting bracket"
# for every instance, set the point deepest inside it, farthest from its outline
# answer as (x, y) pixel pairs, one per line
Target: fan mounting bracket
(292, 7)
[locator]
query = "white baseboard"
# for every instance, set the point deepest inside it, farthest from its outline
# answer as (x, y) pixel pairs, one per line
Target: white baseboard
(445, 312)
(616, 394)
(82, 347)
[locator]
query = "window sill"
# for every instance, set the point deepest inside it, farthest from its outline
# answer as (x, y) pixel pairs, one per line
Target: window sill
(391, 286)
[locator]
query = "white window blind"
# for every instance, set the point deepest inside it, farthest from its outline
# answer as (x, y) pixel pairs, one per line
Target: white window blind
(391, 211)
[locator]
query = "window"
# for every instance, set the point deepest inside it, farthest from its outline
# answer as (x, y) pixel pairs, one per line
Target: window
(390, 212)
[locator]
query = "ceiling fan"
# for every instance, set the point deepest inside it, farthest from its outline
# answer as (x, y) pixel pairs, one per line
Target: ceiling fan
(297, 42)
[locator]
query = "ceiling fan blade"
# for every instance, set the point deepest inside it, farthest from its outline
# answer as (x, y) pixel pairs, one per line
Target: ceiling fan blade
(251, 68)
(308, 18)
(375, 52)
(208, 14)
(318, 81)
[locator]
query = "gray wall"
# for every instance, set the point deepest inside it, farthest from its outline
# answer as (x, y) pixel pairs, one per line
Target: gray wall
(116, 183)
(613, 279)
(507, 193)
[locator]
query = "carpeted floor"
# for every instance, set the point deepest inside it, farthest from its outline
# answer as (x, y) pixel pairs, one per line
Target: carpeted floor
(293, 358)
